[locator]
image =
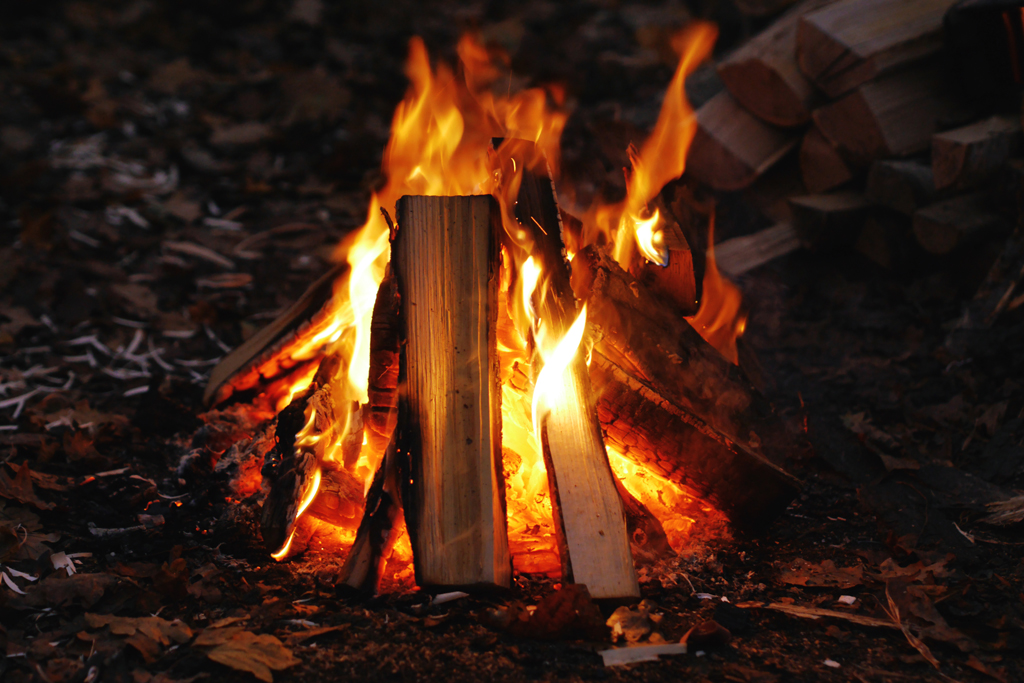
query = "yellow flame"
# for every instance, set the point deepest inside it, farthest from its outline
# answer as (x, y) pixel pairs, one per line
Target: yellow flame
(307, 499)
(650, 240)
(555, 363)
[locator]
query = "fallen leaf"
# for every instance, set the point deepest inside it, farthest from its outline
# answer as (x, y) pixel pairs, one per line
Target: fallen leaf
(158, 629)
(20, 535)
(246, 651)
(804, 573)
(20, 488)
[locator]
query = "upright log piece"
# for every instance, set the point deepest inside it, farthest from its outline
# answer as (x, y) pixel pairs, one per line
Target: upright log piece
(853, 41)
(590, 519)
(732, 147)
(670, 402)
(763, 74)
(446, 259)
(971, 156)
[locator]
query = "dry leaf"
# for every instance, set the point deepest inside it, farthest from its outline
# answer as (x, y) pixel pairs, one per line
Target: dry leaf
(155, 628)
(246, 651)
(804, 573)
(20, 488)
(20, 536)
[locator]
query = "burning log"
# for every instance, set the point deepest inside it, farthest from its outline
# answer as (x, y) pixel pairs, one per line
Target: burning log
(383, 506)
(670, 402)
(377, 530)
(969, 157)
(854, 41)
(446, 260)
(589, 515)
(893, 116)
(271, 352)
(293, 467)
(822, 168)
(684, 232)
(732, 147)
(764, 77)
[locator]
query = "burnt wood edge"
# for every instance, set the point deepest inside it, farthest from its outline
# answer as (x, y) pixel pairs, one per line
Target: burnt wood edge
(376, 532)
(272, 339)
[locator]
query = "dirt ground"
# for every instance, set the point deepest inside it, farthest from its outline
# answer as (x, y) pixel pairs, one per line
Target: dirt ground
(174, 174)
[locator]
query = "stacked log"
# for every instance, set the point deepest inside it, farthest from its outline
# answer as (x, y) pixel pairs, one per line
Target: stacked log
(893, 159)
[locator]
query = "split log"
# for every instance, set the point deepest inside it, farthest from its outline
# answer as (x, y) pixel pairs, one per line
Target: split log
(822, 167)
(740, 255)
(891, 117)
(829, 221)
(1001, 291)
(589, 515)
(851, 42)
(270, 352)
(732, 147)
(971, 156)
(949, 225)
(901, 185)
(446, 259)
(764, 77)
(670, 402)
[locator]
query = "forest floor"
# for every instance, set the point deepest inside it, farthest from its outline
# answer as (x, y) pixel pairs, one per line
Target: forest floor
(174, 174)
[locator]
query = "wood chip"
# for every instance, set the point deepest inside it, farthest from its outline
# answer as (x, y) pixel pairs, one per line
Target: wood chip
(620, 656)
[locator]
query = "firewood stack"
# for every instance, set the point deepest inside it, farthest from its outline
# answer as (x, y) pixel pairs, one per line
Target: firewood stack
(900, 151)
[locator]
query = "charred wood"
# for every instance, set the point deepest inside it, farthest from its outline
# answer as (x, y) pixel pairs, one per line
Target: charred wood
(267, 355)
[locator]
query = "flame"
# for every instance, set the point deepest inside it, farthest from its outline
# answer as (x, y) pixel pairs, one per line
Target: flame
(440, 144)
(719, 319)
(555, 363)
(650, 240)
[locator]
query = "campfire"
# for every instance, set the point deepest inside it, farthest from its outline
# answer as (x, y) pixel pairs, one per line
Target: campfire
(495, 378)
